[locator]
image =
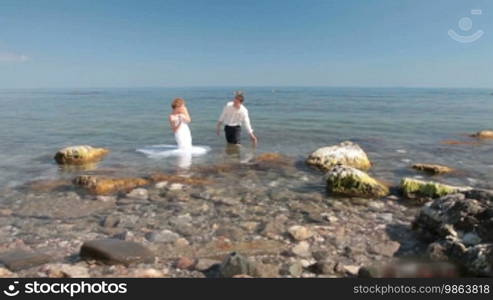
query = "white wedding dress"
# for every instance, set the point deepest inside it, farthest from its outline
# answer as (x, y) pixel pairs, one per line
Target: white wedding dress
(183, 136)
(183, 150)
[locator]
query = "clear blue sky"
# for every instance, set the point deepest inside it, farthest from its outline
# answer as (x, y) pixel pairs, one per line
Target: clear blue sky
(119, 43)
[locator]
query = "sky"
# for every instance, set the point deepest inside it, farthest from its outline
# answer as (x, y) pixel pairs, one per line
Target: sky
(120, 43)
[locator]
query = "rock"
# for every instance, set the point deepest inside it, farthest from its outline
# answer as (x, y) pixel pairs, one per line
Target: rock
(4, 273)
(110, 221)
(237, 264)
(175, 187)
(416, 189)
(164, 236)
(203, 264)
(388, 248)
(455, 142)
(351, 270)
(19, 259)
(346, 153)
(301, 249)
(66, 271)
(139, 193)
(113, 251)
(300, 233)
(471, 238)
(78, 155)
(348, 181)
(181, 243)
(270, 160)
(484, 134)
(323, 267)
(295, 269)
(460, 228)
(185, 263)
(161, 184)
(104, 186)
(147, 273)
(432, 168)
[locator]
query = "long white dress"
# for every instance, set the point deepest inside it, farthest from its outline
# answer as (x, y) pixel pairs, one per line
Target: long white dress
(183, 136)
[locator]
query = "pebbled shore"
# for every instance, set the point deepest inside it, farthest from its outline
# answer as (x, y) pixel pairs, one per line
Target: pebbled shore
(276, 215)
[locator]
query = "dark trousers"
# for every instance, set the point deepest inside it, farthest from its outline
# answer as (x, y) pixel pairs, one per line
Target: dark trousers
(233, 134)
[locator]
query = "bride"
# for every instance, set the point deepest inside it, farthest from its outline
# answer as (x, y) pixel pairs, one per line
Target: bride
(178, 120)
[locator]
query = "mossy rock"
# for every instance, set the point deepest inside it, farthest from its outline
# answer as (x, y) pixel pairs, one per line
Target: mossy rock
(79, 155)
(349, 181)
(346, 153)
(414, 188)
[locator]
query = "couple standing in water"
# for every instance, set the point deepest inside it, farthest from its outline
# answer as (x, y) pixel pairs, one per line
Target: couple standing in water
(234, 115)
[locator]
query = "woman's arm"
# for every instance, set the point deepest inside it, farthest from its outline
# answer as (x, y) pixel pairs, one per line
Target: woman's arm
(188, 119)
(174, 126)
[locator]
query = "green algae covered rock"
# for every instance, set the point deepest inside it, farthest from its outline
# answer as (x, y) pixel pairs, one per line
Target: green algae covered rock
(349, 181)
(346, 153)
(414, 188)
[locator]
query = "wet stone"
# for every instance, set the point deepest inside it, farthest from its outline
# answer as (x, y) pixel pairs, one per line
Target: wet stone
(19, 259)
(113, 251)
(164, 236)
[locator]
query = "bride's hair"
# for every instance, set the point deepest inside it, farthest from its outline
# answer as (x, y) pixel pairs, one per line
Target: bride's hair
(177, 102)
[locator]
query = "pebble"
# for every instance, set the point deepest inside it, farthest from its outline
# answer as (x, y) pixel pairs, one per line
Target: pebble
(65, 271)
(148, 273)
(139, 193)
(300, 233)
(302, 249)
(185, 263)
(387, 217)
(471, 239)
(110, 221)
(175, 187)
(164, 236)
(204, 263)
(4, 273)
(113, 251)
(161, 184)
(20, 259)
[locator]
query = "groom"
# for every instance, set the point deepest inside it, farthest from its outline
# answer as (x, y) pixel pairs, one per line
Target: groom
(234, 114)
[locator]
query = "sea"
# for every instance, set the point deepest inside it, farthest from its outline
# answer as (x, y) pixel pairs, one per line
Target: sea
(396, 127)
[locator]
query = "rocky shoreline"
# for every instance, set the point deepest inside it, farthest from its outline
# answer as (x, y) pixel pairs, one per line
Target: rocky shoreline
(281, 218)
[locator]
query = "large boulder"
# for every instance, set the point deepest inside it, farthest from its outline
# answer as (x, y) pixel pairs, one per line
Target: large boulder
(484, 134)
(79, 155)
(349, 181)
(346, 153)
(426, 190)
(433, 168)
(459, 228)
(100, 185)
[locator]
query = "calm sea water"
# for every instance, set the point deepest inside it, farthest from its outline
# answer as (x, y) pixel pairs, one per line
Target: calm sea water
(396, 127)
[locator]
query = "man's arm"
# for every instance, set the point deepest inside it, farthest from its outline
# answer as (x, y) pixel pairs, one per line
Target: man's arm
(248, 127)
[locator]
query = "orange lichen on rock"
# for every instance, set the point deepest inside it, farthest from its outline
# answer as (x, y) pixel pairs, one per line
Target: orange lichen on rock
(104, 186)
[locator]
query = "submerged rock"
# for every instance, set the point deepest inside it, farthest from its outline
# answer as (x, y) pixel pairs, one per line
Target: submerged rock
(424, 190)
(484, 134)
(47, 185)
(346, 153)
(99, 185)
(348, 181)
(112, 251)
(79, 155)
(432, 168)
(160, 177)
(460, 226)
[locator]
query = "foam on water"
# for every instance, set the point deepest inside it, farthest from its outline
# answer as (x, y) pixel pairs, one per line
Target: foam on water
(161, 151)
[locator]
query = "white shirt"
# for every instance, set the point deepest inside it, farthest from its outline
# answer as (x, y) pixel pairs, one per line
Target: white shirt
(233, 116)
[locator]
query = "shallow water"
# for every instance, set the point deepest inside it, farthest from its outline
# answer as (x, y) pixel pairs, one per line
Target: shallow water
(396, 127)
